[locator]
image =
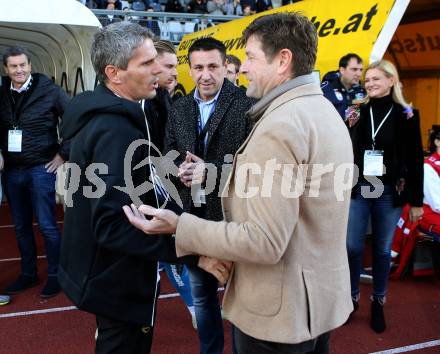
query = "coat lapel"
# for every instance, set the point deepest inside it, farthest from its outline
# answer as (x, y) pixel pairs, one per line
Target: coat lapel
(189, 123)
(221, 107)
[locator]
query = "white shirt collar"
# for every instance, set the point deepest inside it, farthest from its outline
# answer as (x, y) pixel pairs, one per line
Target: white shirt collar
(22, 88)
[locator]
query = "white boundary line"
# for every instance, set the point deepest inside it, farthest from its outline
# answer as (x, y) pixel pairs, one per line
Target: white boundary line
(70, 308)
(18, 259)
(409, 348)
(33, 224)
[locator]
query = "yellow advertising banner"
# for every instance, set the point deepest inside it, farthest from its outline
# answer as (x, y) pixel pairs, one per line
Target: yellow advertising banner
(363, 27)
(416, 46)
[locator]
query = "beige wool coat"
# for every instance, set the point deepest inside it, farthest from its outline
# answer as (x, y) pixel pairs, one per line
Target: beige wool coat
(290, 280)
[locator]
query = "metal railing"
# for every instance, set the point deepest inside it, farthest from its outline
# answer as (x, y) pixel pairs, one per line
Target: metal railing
(170, 25)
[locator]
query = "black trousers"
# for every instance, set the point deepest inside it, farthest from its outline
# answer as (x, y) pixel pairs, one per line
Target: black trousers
(245, 344)
(118, 337)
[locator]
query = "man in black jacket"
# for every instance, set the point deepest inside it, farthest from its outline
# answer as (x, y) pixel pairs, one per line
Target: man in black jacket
(207, 127)
(108, 267)
(342, 87)
(30, 108)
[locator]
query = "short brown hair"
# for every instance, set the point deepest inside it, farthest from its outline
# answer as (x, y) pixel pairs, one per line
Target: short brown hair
(291, 31)
(163, 46)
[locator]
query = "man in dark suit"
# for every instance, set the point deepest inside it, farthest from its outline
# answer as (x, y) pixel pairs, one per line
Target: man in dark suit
(206, 128)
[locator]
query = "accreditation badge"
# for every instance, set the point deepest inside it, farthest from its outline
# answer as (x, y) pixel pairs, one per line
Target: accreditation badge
(15, 138)
(199, 197)
(373, 163)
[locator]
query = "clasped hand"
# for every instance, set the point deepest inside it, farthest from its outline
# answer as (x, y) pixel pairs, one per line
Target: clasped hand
(192, 170)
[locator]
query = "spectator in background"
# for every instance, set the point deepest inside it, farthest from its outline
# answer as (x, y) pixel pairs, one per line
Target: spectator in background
(216, 7)
(139, 5)
(233, 7)
(247, 9)
(388, 152)
(30, 109)
(91, 4)
(263, 5)
(111, 6)
(174, 6)
(343, 87)
(197, 7)
(430, 221)
(102, 4)
(233, 68)
(152, 24)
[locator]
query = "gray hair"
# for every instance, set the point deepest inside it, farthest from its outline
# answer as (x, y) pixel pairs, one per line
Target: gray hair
(114, 45)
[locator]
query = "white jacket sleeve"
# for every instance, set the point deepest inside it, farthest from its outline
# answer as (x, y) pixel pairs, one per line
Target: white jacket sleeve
(431, 188)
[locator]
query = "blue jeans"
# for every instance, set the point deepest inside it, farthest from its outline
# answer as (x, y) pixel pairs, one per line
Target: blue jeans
(207, 307)
(384, 217)
(180, 281)
(33, 190)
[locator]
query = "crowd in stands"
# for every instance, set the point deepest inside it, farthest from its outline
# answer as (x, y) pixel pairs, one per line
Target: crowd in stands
(212, 7)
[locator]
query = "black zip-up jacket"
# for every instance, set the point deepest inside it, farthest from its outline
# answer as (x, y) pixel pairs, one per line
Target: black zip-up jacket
(107, 266)
(37, 116)
(406, 171)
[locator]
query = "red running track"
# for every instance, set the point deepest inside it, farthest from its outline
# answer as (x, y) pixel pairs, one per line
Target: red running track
(412, 313)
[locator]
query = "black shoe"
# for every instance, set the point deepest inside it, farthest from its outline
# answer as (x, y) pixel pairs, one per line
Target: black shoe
(22, 283)
(51, 288)
(377, 317)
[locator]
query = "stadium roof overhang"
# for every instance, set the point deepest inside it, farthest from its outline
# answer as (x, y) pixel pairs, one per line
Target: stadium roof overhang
(58, 35)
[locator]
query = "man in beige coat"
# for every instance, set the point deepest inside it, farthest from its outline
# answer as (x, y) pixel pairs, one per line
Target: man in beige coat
(285, 204)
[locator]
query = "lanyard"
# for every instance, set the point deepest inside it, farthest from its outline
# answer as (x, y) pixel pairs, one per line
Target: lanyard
(374, 132)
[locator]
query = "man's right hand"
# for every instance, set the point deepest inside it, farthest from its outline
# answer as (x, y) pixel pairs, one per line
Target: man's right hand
(192, 170)
(218, 268)
(2, 162)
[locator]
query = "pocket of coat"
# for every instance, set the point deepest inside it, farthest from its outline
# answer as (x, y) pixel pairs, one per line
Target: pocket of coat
(260, 288)
(328, 297)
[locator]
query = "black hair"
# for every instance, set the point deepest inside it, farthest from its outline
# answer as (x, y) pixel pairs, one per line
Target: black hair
(343, 62)
(206, 44)
(15, 51)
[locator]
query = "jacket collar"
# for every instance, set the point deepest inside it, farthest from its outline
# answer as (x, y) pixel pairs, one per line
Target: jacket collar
(281, 94)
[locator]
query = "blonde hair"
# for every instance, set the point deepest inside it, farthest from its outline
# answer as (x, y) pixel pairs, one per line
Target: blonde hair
(390, 70)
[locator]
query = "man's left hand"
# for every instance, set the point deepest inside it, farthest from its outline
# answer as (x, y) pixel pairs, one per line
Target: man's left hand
(53, 165)
(218, 268)
(164, 221)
